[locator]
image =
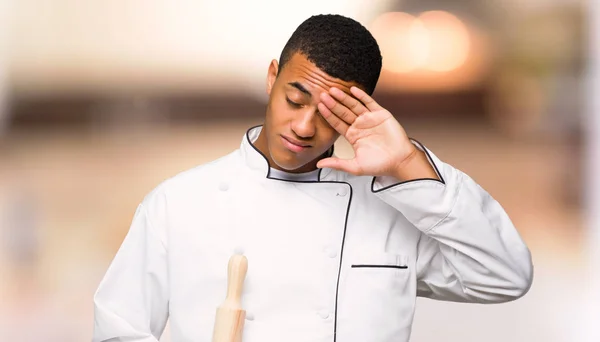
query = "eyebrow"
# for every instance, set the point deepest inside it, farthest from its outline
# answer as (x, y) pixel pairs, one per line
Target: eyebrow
(300, 87)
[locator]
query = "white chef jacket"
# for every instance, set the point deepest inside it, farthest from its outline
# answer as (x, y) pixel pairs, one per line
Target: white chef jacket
(342, 258)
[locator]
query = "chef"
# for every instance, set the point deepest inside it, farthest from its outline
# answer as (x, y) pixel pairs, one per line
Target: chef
(337, 249)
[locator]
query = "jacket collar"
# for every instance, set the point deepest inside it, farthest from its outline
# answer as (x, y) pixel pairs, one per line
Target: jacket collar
(257, 161)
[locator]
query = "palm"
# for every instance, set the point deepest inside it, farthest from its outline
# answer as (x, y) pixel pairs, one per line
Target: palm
(379, 142)
(371, 143)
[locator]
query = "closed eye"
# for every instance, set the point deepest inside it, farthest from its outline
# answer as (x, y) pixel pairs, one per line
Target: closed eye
(292, 103)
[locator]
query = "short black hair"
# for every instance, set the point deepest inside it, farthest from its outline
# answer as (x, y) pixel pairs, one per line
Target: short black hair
(339, 46)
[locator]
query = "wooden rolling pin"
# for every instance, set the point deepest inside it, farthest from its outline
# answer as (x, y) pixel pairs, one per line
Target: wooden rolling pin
(229, 319)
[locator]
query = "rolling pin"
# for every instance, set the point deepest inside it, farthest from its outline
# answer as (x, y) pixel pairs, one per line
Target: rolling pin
(229, 319)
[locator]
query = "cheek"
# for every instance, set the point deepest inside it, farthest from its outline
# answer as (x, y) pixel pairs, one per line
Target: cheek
(278, 112)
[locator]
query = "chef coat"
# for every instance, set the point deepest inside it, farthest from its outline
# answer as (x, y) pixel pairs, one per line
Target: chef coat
(338, 258)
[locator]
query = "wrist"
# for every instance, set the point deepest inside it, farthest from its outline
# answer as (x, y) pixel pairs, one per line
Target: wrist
(415, 166)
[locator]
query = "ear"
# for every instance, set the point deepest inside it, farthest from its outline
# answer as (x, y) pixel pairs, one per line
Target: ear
(272, 75)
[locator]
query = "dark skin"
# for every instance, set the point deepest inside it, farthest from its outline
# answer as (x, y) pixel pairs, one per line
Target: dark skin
(308, 110)
(292, 111)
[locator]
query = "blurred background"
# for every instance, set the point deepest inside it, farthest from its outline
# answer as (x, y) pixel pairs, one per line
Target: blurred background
(102, 100)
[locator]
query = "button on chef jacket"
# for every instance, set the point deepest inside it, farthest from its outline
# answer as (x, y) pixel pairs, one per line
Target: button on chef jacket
(331, 257)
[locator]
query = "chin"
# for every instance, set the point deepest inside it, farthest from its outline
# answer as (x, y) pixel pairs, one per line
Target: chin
(287, 161)
(288, 165)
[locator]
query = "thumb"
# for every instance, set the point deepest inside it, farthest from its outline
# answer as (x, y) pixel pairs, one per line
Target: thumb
(347, 165)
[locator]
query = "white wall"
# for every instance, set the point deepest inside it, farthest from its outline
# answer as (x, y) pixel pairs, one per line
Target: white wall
(114, 45)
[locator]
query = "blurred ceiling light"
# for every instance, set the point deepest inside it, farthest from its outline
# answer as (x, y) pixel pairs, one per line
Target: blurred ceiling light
(450, 38)
(419, 44)
(434, 41)
(391, 30)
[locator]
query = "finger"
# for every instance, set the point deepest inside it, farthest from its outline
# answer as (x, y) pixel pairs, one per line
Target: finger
(366, 99)
(338, 124)
(348, 101)
(338, 109)
(347, 165)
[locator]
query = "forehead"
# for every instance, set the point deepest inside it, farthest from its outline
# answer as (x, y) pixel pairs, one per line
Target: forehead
(300, 69)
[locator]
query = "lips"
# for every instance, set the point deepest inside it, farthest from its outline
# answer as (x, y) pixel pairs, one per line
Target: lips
(294, 145)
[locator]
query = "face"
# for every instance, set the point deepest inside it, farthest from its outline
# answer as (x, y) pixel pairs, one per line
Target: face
(295, 136)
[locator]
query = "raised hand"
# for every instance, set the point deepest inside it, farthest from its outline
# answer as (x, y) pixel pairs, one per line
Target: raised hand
(381, 146)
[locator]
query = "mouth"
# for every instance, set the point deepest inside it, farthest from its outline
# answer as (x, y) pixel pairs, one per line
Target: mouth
(294, 145)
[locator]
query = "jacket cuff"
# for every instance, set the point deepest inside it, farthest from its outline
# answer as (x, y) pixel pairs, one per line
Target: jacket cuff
(424, 202)
(382, 182)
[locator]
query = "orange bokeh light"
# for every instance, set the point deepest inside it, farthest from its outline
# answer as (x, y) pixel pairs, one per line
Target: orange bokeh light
(435, 41)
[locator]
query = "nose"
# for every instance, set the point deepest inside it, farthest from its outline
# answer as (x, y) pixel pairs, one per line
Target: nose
(304, 124)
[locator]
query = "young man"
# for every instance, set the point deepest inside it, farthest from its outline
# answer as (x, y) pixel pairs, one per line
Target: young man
(338, 250)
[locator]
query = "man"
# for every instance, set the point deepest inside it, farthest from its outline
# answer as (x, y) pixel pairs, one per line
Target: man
(338, 250)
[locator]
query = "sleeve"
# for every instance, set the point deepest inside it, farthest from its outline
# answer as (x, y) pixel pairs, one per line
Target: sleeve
(131, 303)
(469, 250)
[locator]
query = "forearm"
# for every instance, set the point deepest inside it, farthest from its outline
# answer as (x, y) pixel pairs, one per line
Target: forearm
(471, 250)
(488, 260)
(131, 302)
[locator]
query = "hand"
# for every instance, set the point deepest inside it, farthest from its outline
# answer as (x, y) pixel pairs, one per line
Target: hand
(381, 146)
